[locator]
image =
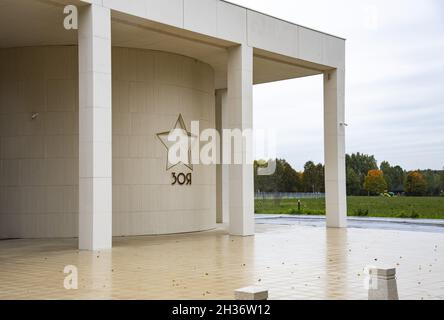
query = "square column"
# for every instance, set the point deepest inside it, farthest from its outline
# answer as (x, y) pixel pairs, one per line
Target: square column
(239, 115)
(95, 157)
(222, 170)
(334, 146)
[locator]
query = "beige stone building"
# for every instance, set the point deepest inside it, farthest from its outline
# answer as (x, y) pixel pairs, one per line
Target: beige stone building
(81, 110)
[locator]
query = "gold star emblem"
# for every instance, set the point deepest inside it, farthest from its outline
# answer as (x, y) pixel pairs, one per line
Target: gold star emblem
(164, 138)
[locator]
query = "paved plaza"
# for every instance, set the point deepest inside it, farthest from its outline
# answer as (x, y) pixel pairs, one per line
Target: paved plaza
(292, 261)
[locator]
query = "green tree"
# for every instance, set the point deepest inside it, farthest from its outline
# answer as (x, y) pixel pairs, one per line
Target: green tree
(433, 181)
(387, 169)
(289, 180)
(398, 178)
(284, 179)
(361, 165)
(313, 177)
(394, 176)
(442, 181)
(295, 177)
(320, 169)
(263, 183)
(309, 176)
(374, 182)
(415, 184)
(353, 182)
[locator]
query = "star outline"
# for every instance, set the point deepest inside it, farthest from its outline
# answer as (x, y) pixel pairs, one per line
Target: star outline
(182, 126)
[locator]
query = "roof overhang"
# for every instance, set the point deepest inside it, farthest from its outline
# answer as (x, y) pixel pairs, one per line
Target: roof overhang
(202, 29)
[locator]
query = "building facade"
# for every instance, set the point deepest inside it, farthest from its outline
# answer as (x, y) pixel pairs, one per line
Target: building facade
(85, 112)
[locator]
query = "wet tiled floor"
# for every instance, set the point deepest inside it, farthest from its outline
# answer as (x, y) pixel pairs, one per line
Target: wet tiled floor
(293, 262)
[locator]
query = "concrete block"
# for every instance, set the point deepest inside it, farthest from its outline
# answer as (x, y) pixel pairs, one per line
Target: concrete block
(382, 284)
(251, 293)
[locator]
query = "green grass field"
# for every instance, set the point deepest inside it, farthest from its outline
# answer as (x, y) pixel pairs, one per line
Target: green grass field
(397, 207)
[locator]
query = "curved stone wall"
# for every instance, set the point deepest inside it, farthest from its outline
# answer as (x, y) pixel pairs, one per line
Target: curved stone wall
(150, 90)
(39, 142)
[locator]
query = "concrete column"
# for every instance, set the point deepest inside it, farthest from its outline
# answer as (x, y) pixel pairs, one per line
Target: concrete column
(334, 146)
(222, 170)
(95, 157)
(240, 116)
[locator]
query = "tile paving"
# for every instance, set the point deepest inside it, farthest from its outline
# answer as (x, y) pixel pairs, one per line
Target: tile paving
(292, 261)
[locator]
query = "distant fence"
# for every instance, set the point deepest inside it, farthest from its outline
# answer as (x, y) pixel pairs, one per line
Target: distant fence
(288, 195)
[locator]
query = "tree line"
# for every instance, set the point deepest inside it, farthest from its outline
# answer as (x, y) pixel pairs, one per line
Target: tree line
(363, 177)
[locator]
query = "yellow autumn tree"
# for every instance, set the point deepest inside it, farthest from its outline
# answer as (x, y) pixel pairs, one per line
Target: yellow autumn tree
(374, 182)
(415, 184)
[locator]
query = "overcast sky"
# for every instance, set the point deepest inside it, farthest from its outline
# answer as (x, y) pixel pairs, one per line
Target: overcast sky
(394, 81)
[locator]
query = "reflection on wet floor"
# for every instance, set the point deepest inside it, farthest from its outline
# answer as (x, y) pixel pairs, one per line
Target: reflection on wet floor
(292, 261)
(430, 225)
